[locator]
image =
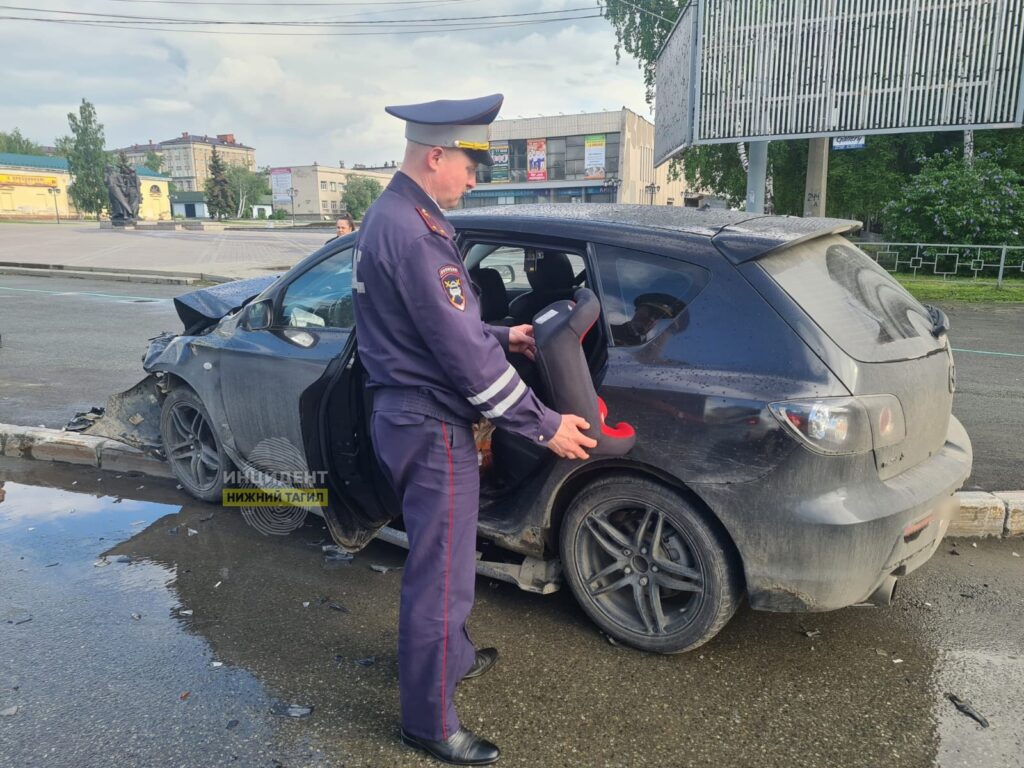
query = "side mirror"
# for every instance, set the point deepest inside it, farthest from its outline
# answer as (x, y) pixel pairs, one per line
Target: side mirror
(258, 315)
(507, 272)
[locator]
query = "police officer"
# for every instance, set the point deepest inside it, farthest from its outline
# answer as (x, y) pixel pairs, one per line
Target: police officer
(435, 368)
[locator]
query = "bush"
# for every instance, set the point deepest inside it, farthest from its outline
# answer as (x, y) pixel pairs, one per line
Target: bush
(951, 201)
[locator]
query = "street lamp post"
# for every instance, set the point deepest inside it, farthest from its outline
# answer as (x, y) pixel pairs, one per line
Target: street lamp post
(612, 183)
(652, 189)
(292, 192)
(54, 191)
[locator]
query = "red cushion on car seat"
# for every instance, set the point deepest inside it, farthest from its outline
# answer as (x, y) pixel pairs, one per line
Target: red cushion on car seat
(558, 331)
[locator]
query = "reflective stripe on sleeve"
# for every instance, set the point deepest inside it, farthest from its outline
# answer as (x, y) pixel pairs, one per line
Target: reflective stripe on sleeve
(508, 402)
(499, 384)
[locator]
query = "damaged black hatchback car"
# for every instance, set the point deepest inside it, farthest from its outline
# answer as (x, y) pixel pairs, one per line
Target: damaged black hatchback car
(791, 401)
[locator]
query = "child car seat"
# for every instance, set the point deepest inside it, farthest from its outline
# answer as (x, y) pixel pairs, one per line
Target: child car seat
(559, 330)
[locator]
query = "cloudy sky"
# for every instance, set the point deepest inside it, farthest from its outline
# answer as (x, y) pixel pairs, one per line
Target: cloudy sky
(298, 98)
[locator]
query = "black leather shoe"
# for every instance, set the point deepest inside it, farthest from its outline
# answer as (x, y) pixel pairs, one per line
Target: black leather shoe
(461, 748)
(485, 658)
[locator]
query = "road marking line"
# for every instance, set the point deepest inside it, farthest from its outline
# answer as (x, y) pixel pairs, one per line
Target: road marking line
(80, 293)
(985, 352)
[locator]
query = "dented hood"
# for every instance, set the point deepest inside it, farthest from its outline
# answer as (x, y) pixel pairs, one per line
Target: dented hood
(208, 305)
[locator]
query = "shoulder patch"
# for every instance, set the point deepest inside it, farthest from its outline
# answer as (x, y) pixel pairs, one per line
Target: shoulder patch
(432, 225)
(451, 283)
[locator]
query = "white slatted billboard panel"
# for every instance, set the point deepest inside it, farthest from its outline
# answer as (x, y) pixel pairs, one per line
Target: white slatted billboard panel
(798, 68)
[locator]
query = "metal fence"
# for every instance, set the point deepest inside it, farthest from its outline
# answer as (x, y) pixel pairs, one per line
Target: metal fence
(949, 261)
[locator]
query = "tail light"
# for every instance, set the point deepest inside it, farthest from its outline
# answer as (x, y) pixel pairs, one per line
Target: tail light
(844, 425)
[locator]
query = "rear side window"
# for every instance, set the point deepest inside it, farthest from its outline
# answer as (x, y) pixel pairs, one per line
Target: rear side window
(642, 294)
(857, 303)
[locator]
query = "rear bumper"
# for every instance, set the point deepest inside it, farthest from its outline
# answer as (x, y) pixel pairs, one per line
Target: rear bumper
(821, 533)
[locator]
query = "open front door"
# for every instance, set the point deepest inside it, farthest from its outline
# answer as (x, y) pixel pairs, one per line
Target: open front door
(338, 411)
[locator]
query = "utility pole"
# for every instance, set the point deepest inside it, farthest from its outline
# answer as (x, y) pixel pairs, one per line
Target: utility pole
(292, 191)
(54, 192)
(757, 175)
(817, 177)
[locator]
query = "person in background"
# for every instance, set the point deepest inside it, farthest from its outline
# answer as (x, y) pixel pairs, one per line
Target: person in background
(343, 226)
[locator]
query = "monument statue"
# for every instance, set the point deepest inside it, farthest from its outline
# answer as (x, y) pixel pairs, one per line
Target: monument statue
(123, 190)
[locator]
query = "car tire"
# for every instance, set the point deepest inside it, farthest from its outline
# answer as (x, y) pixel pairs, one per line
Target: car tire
(191, 445)
(665, 596)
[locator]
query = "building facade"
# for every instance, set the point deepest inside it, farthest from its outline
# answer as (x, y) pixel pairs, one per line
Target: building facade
(186, 159)
(597, 157)
(36, 187)
(315, 190)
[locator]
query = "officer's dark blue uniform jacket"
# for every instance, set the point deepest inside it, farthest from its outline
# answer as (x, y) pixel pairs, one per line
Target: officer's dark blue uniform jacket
(421, 338)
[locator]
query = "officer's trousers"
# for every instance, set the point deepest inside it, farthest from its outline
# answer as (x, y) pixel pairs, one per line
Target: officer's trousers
(433, 468)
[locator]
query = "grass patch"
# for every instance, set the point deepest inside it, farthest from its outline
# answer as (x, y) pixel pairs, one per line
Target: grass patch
(934, 289)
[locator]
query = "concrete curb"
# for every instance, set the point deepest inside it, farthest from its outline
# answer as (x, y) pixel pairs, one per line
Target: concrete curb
(121, 274)
(981, 514)
(46, 444)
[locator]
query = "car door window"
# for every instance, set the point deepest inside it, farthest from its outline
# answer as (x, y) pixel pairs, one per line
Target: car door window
(642, 294)
(322, 296)
(514, 264)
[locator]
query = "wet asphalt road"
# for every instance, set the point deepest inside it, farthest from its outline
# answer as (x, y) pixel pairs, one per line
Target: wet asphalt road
(96, 687)
(69, 343)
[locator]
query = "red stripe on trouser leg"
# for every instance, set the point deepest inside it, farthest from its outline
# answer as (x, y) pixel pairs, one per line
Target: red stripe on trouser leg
(447, 576)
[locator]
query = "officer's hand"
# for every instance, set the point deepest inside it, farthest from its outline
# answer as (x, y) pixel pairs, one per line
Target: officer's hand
(520, 339)
(569, 442)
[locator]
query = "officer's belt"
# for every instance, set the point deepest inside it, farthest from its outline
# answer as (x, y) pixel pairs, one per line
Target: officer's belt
(416, 400)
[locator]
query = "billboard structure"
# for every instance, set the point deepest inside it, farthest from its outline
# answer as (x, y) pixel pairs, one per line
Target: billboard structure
(281, 184)
(748, 70)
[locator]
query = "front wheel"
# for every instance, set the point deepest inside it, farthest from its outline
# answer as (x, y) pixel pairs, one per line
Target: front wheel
(647, 567)
(191, 445)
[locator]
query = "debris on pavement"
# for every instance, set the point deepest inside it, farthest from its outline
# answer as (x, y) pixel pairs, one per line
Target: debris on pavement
(897, 661)
(136, 419)
(101, 562)
(84, 419)
(232, 724)
(881, 652)
(216, 664)
(305, 604)
(812, 633)
(954, 552)
(338, 607)
(192, 532)
(1015, 554)
(17, 616)
(384, 568)
(217, 584)
(184, 696)
(9, 712)
(967, 709)
(290, 710)
(50, 565)
(369, 661)
(338, 557)
(173, 531)
(184, 611)
(137, 616)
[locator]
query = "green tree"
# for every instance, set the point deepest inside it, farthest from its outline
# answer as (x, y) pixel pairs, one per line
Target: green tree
(18, 144)
(86, 156)
(950, 201)
(359, 194)
(247, 187)
(218, 189)
(153, 161)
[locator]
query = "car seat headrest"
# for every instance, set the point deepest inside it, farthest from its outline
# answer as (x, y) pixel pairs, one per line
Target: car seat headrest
(551, 271)
(493, 295)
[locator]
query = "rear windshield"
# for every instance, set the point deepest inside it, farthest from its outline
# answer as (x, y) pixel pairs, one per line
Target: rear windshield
(853, 300)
